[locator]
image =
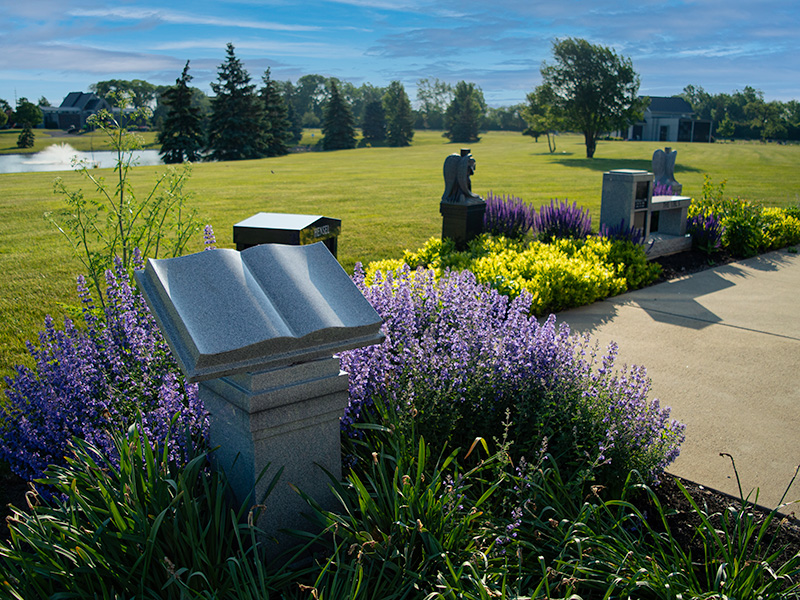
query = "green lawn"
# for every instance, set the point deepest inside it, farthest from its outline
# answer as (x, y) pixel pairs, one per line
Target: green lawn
(387, 199)
(84, 142)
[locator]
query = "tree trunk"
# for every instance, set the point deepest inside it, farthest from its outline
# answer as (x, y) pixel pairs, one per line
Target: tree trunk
(591, 144)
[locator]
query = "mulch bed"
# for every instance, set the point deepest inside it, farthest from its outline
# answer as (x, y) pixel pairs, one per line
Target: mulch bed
(691, 261)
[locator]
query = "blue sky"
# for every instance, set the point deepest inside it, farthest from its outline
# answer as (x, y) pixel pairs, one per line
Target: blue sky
(50, 48)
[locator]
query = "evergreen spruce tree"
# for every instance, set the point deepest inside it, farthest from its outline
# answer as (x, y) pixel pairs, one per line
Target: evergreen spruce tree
(181, 137)
(26, 137)
(236, 131)
(277, 130)
(463, 117)
(399, 116)
(373, 128)
(338, 125)
(292, 114)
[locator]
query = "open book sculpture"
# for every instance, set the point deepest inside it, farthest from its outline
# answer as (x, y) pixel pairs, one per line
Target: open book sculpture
(225, 312)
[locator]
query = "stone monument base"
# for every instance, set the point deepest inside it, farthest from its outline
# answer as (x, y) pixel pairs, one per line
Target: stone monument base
(663, 244)
(462, 221)
(286, 417)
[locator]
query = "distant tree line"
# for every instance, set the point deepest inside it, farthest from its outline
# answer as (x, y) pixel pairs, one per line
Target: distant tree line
(243, 121)
(587, 88)
(745, 114)
(240, 122)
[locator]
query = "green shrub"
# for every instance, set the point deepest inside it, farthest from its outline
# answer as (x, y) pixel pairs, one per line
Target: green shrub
(564, 274)
(631, 262)
(744, 233)
(137, 526)
(749, 227)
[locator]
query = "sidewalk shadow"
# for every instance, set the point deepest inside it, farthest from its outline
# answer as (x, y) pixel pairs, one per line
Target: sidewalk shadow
(588, 319)
(771, 261)
(672, 302)
(675, 302)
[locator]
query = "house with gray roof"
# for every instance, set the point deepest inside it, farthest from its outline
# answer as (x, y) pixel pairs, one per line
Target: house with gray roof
(670, 120)
(73, 112)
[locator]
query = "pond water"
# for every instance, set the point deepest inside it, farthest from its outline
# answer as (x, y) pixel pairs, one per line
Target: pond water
(61, 157)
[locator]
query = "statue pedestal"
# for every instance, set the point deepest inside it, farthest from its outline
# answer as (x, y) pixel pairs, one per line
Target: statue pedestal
(285, 418)
(462, 221)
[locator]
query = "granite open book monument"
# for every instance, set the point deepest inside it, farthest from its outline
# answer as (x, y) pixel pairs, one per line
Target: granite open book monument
(259, 329)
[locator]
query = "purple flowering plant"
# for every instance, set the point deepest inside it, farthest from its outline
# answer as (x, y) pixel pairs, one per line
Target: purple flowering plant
(662, 189)
(706, 230)
(96, 376)
(458, 355)
(562, 220)
(623, 231)
(509, 217)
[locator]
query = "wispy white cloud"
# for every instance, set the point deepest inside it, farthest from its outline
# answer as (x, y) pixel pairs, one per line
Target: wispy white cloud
(81, 59)
(276, 47)
(723, 51)
(718, 44)
(181, 18)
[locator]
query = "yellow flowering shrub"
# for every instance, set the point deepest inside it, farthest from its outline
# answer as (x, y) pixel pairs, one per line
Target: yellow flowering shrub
(562, 274)
(780, 228)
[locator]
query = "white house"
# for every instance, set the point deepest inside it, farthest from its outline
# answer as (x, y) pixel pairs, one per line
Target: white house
(670, 120)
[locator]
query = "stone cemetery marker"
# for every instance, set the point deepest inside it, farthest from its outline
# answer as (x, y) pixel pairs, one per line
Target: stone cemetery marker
(259, 328)
(225, 312)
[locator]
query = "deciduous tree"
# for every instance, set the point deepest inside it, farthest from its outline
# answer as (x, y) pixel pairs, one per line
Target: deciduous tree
(27, 113)
(593, 89)
(505, 118)
(541, 116)
(463, 117)
(310, 95)
(182, 137)
(139, 92)
(433, 98)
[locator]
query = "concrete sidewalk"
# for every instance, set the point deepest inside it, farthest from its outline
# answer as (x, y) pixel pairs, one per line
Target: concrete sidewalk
(722, 348)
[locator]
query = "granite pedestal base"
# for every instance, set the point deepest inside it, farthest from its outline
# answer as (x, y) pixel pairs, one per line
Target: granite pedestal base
(286, 417)
(462, 221)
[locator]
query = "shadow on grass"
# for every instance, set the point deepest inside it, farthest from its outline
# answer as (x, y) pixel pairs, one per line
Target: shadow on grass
(557, 153)
(608, 164)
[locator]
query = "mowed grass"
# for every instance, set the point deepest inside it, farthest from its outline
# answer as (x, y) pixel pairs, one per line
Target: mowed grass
(387, 199)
